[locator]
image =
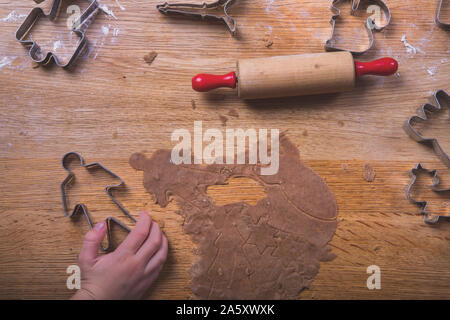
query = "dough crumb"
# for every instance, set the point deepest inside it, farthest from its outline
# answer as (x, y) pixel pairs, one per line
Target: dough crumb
(268, 40)
(369, 172)
(193, 104)
(150, 57)
(224, 120)
(233, 113)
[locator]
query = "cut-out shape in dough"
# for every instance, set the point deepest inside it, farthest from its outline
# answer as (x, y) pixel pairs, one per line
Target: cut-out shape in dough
(268, 251)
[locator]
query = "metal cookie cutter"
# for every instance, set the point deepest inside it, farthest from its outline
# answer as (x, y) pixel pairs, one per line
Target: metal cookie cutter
(78, 28)
(370, 25)
(81, 208)
(423, 204)
(438, 101)
(201, 11)
(437, 19)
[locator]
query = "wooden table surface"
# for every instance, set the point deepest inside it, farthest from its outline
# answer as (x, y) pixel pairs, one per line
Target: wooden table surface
(114, 104)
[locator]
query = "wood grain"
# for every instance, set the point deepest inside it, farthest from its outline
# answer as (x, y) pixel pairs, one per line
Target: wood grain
(114, 104)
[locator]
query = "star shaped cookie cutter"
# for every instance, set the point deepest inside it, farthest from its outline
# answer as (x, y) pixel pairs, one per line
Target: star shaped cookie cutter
(437, 18)
(201, 11)
(429, 219)
(437, 102)
(370, 25)
(80, 208)
(78, 28)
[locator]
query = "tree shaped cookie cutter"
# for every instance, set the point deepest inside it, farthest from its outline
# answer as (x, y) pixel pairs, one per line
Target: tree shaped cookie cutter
(370, 25)
(78, 28)
(437, 102)
(437, 19)
(201, 11)
(80, 208)
(429, 219)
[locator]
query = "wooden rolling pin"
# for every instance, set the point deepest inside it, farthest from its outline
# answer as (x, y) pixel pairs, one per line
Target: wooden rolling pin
(295, 75)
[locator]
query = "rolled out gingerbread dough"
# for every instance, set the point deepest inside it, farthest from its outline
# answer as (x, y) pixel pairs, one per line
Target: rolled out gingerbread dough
(268, 251)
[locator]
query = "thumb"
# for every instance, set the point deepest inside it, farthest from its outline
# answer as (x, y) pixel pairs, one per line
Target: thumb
(91, 244)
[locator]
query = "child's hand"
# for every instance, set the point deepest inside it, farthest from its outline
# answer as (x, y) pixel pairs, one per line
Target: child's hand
(127, 272)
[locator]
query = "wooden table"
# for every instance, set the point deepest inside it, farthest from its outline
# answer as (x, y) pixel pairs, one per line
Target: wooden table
(114, 104)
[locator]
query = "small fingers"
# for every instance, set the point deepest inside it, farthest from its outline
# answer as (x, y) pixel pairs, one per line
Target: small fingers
(159, 258)
(138, 235)
(152, 244)
(91, 244)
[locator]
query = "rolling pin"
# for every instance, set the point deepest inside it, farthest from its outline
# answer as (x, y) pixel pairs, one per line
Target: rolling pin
(295, 75)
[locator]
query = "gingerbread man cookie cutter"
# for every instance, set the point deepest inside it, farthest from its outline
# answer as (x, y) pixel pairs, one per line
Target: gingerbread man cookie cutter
(78, 28)
(80, 208)
(370, 25)
(429, 219)
(201, 11)
(437, 102)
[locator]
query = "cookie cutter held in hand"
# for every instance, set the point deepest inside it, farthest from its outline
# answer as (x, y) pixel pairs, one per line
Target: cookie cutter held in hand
(429, 219)
(81, 208)
(78, 28)
(437, 18)
(370, 25)
(438, 101)
(201, 11)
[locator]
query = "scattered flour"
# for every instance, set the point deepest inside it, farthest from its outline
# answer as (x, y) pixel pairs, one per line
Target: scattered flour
(431, 71)
(6, 61)
(120, 6)
(105, 30)
(106, 10)
(269, 5)
(409, 48)
(57, 44)
(304, 14)
(13, 16)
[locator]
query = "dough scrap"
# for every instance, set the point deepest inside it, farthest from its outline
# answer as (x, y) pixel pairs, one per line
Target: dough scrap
(150, 57)
(268, 251)
(369, 172)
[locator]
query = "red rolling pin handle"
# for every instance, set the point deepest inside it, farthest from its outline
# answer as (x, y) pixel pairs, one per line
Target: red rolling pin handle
(206, 82)
(380, 67)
